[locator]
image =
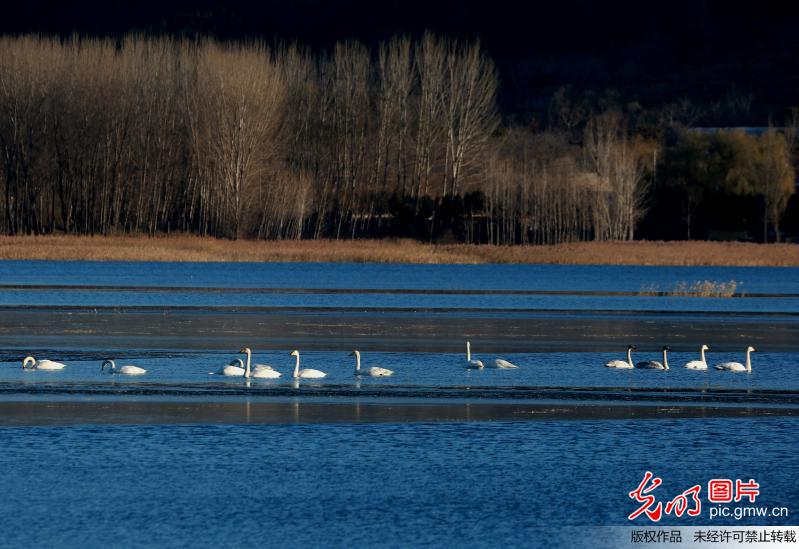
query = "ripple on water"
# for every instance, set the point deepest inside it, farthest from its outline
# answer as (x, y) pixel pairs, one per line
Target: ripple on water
(419, 484)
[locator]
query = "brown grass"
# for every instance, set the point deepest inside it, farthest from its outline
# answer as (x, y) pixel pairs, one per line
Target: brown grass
(191, 248)
(706, 288)
(698, 288)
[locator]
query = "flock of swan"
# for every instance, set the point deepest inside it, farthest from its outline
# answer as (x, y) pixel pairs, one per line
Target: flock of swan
(247, 370)
(700, 364)
(237, 368)
(265, 371)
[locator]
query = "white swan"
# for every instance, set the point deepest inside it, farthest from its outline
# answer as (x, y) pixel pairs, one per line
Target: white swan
(472, 364)
(374, 371)
(258, 367)
(501, 363)
(41, 365)
(261, 371)
(231, 370)
(737, 366)
(654, 364)
(266, 374)
(306, 373)
(620, 363)
(700, 364)
(129, 370)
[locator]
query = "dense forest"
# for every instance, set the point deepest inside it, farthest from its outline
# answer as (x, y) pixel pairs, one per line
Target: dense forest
(144, 134)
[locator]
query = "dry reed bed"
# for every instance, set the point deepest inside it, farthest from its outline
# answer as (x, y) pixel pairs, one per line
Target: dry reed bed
(190, 248)
(697, 288)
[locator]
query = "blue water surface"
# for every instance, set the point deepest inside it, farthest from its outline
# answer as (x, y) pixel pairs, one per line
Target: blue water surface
(475, 484)
(390, 485)
(390, 300)
(780, 280)
(430, 371)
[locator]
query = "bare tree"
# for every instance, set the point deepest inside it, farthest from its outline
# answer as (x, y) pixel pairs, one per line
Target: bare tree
(241, 101)
(430, 61)
(618, 187)
(395, 88)
(470, 107)
(776, 178)
(150, 135)
(26, 78)
(349, 79)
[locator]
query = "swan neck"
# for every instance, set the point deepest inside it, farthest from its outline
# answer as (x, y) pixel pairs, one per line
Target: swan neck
(111, 365)
(297, 365)
(468, 351)
(665, 360)
(26, 360)
(748, 360)
(702, 353)
(630, 357)
(357, 361)
(247, 368)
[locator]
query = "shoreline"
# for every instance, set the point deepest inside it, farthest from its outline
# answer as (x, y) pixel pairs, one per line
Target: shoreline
(183, 248)
(62, 413)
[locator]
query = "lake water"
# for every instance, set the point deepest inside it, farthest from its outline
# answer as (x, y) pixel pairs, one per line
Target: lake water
(330, 475)
(396, 485)
(560, 324)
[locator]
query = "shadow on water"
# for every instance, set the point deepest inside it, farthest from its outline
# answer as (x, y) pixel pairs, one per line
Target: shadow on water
(387, 330)
(248, 412)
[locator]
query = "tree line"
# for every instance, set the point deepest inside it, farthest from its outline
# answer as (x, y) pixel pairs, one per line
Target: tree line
(156, 135)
